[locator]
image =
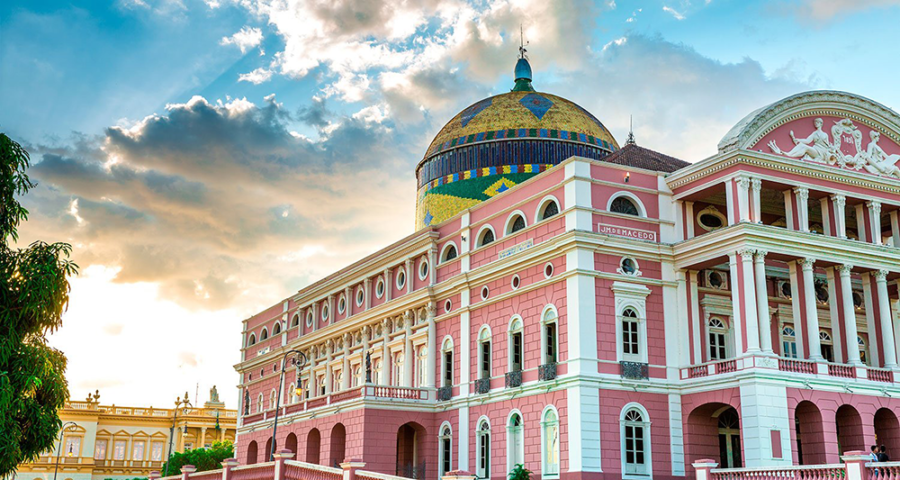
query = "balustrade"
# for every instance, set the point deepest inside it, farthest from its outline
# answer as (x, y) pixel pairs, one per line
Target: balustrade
(547, 371)
(514, 379)
(634, 370)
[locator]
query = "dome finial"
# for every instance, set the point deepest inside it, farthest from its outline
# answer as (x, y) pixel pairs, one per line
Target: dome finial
(630, 140)
(523, 68)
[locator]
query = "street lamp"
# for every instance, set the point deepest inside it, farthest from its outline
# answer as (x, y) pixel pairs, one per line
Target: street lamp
(179, 403)
(62, 432)
(301, 360)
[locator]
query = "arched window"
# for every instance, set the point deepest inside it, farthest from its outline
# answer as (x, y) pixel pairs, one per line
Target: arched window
(631, 347)
(272, 397)
(446, 451)
(635, 443)
(397, 372)
(259, 403)
(486, 237)
(264, 335)
(515, 223)
(827, 345)
(516, 345)
(550, 209)
(421, 361)
(376, 372)
(548, 336)
(717, 332)
(624, 205)
(515, 446)
(484, 353)
(355, 378)
(863, 350)
(483, 449)
(292, 394)
(447, 364)
(789, 342)
(550, 444)
(252, 340)
(449, 253)
(276, 329)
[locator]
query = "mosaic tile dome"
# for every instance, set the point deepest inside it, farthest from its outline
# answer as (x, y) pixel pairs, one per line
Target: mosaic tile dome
(499, 142)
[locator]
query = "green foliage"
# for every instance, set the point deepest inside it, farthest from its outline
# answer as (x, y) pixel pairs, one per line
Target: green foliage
(202, 458)
(135, 478)
(519, 472)
(34, 293)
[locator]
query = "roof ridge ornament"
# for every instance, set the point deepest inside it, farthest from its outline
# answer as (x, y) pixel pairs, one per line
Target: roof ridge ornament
(523, 68)
(630, 140)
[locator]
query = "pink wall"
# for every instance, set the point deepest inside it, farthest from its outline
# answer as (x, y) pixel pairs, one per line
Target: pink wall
(657, 405)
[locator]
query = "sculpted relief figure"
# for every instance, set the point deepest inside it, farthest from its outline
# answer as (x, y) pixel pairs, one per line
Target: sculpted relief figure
(880, 162)
(815, 147)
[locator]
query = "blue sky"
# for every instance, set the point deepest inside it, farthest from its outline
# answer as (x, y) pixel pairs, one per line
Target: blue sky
(207, 158)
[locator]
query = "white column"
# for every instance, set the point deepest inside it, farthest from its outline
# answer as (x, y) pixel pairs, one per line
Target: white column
(762, 302)
(802, 194)
(884, 314)
(689, 218)
(797, 301)
(311, 383)
(695, 316)
(386, 362)
(465, 345)
(861, 230)
(431, 349)
(737, 316)
(875, 220)
(895, 227)
(840, 214)
(367, 287)
(432, 265)
(826, 216)
(365, 351)
(684, 323)
(409, 275)
(462, 459)
(729, 202)
(849, 314)
(789, 210)
(743, 184)
(388, 285)
(750, 302)
(812, 313)
(328, 371)
(409, 356)
(345, 367)
(755, 194)
(871, 317)
(348, 302)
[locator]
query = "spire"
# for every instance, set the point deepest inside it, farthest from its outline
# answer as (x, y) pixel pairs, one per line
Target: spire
(523, 68)
(630, 140)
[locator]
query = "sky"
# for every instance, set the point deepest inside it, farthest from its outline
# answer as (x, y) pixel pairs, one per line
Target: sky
(208, 158)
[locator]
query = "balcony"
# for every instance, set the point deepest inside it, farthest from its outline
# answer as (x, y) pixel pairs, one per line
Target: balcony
(547, 371)
(483, 385)
(789, 365)
(514, 379)
(445, 393)
(634, 370)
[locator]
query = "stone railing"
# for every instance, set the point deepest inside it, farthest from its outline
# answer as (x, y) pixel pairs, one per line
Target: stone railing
(855, 467)
(281, 469)
(794, 365)
(879, 375)
(353, 393)
(842, 371)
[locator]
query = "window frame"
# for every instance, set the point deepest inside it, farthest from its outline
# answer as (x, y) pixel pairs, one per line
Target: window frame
(485, 337)
(542, 205)
(792, 342)
(638, 204)
(479, 239)
(546, 425)
(510, 444)
(445, 250)
(447, 348)
(516, 327)
(645, 425)
(547, 344)
(725, 332)
(445, 434)
(483, 448)
(510, 223)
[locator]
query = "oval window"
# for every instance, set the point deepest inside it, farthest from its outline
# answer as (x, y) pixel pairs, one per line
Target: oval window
(716, 280)
(710, 221)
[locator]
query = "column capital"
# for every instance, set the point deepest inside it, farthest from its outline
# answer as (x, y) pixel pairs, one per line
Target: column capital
(746, 253)
(367, 281)
(839, 199)
(756, 184)
(881, 275)
(807, 263)
(760, 255)
(874, 205)
(802, 193)
(743, 182)
(844, 269)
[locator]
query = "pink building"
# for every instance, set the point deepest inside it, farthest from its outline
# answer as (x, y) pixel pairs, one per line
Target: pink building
(599, 312)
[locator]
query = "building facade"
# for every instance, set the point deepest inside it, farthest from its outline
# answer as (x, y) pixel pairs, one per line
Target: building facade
(614, 314)
(101, 442)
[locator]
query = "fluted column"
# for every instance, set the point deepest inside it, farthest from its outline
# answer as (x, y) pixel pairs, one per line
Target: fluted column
(409, 275)
(312, 382)
(750, 301)
(365, 351)
(802, 196)
(884, 314)
(386, 362)
(367, 288)
(388, 285)
(840, 214)
(812, 313)
(409, 356)
(431, 348)
(875, 220)
(743, 184)
(348, 302)
(849, 314)
(762, 302)
(755, 194)
(328, 370)
(345, 368)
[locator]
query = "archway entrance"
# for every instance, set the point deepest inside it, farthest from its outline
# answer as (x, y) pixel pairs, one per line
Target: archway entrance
(887, 431)
(338, 444)
(313, 444)
(290, 443)
(729, 439)
(809, 433)
(252, 453)
(849, 429)
(410, 458)
(268, 453)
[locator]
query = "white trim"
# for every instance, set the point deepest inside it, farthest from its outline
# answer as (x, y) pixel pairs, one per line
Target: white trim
(642, 211)
(512, 282)
(634, 296)
(401, 274)
(509, 344)
(648, 446)
(441, 438)
(264, 333)
(381, 281)
(448, 306)
(510, 219)
(342, 300)
(362, 299)
(444, 248)
(297, 318)
(251, 340)
(637, 267)
(543, 425)
(552, 270)
(423, 263)
(543, 322)
(510, 464)
(484, 228)
(275, 325)
(542, 204)
(485, 296)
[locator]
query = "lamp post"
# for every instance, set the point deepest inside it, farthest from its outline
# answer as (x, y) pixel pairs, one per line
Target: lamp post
(179, 403)
(301, 360)
(62, 432)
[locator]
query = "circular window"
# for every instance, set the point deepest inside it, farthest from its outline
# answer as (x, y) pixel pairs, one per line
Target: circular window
(821, 293)
(716, 280)
(309, 319)
(448, 305)
(786, 290)
(548, 270)
(379, 288)
(423, 270)
(342, 305)
(485, 292)
(360, 296)
(325, 312)
(628, 266)
(515, 282)
(711, 219)
(401, 279)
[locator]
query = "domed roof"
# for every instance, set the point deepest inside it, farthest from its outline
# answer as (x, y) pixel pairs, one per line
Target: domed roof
(521, 115)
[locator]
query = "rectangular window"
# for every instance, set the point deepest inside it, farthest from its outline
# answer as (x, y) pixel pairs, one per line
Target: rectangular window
(73, 447)
(485, 359)
(517, 351)
(446, 456)
(828, 353)
(630, 338)
(137, 451)
(448, 369)
(790, 348)
(550, 333)
(100, 450)
(119, 450)
(156, 452)
(716, 346)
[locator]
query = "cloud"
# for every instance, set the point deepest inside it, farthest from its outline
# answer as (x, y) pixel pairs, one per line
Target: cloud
(260, 75)
(673, 12)
(811, 10)
(245, 39)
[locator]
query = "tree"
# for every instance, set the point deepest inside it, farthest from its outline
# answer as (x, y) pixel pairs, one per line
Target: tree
(203, 458)
(34, 293)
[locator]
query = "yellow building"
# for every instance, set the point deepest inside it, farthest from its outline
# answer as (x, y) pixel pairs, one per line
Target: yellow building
(109, 441)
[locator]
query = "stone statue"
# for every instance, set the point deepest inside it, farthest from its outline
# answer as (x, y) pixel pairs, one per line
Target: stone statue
(213, 395)
(880, 162)
(368, 367)
(815, 147)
